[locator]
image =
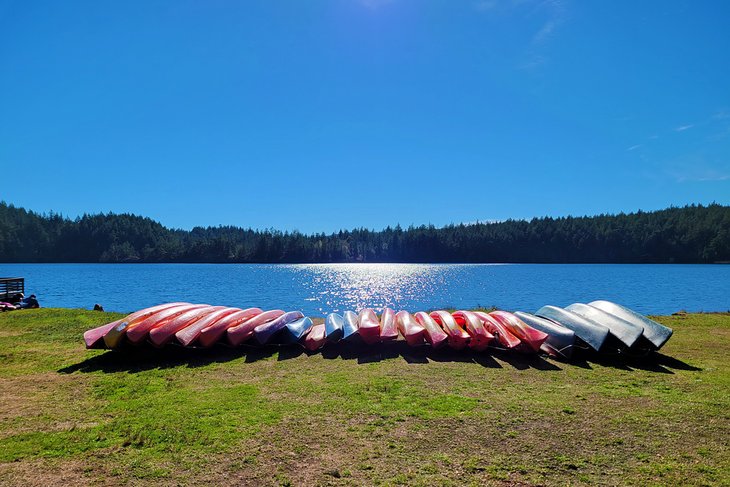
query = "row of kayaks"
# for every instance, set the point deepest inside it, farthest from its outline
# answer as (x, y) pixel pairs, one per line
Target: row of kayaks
(597, 326)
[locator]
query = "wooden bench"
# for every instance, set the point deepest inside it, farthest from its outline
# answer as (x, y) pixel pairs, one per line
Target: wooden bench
(10, 286)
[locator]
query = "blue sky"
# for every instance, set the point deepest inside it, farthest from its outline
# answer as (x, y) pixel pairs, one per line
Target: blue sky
(322, 115)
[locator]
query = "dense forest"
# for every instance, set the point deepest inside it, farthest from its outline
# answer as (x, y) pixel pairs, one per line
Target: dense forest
(690, 234)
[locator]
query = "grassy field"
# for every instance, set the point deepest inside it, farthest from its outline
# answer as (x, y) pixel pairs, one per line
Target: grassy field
(352, 416)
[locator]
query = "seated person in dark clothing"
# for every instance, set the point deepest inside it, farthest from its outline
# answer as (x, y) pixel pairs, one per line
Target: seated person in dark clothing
(17, 298)
(29, 302)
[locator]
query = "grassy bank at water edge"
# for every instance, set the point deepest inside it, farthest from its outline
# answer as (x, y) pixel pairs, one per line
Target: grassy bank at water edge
(386, 415)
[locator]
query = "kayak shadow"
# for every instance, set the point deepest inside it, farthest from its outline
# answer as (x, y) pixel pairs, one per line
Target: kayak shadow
(651, 362)
(133, 360)
(138, 359)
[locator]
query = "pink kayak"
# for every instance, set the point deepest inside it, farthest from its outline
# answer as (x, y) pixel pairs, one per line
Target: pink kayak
(190, 333)
(244, 330)
(501, 332)
(164, 333)
(479, 337)
(369, 327)
(530, 336)
(316, 338)
(114, 335)
(137, 333)
(434, 334)
(458, 337)
(388, 326)
(210, 335)
(94, 338)
(411, 330)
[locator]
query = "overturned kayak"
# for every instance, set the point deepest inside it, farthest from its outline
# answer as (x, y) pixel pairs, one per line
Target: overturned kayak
(138, 332)
(530, 337)
(592, 333)
(411, 330)
(388, 326)
(350, 327)
(190, 333)
(369, 326)
(334, 326)
(434, 333)
(162, 334)
(218, 330)
(656, 333)
(94, 338)
(501, 332)
(263, 333)
(316, 338)
(114, 335)
(458, 338)
(243, 330)
(294, 331)
(627, 333)
(560, 341)
(479, 337)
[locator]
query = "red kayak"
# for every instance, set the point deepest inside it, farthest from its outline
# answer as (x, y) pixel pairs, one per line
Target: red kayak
(369, 327)
(209, 336)
(411, 330)
(458, 337)
(530, 336)
(114, 335)
(434, 334)
(190, 333)
(480, 338)
(244, 330)
(501, 332)
(137, 333)
(316, 338)
(162, 334)
(388, 326)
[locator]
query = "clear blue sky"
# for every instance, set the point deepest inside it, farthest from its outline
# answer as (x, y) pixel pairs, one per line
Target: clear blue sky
(321, 115)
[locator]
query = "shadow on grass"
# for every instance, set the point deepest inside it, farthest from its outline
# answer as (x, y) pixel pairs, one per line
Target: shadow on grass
(138, 359)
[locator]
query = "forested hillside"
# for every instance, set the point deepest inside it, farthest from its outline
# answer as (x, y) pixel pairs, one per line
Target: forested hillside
(691, 234)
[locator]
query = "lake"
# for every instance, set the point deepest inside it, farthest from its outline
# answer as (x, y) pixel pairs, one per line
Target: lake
(317, 289)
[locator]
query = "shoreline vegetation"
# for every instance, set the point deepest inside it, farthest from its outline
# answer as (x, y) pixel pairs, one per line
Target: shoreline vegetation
(690, 234)
(279, 416)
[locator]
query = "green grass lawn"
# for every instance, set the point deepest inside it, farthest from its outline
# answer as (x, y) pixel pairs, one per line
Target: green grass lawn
(388, 415)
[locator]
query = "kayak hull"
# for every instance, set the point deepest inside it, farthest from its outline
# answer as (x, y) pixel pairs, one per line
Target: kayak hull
(560, 341)
(594, 334)
(656, 333)
(334, 327)
(627, 333)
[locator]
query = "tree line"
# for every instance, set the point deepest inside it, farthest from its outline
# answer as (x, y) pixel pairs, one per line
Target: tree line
(690, 234)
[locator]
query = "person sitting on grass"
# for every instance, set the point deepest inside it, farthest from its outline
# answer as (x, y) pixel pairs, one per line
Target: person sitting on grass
(29, 302)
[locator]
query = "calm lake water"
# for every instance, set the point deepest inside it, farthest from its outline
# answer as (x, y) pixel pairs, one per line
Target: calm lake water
(321, 288)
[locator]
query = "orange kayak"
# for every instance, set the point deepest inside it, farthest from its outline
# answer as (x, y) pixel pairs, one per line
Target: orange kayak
(114, 335)
(209, 336)
(480, 338)
(190, 333)
(243, 330)
(137, 333)
(388, 326)
(502, 333)
(458, 337)
(531, 337)
(162, 334)
(411, 330)
(369, 326)
(434, 334)
(316, 338)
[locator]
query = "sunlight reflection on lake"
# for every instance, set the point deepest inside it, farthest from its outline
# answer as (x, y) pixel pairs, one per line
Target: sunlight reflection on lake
(318, 289)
